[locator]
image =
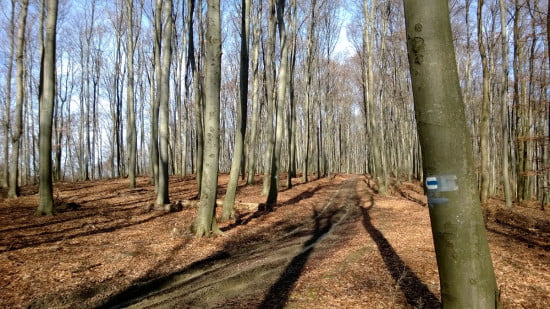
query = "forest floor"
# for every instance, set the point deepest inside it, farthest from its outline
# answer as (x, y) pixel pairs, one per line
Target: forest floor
(329, 243)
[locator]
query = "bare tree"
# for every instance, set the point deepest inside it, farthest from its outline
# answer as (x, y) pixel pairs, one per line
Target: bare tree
(194, 63)
(504, 106)
(7, 120)
(155, 93)
(484, 125)
(238, 150)
(18, 129)
(308, 92)
(280, 107)
(205, 222)
(375, 146)
(47, 101)
(462, 252)
(131, 135)
(163, 88)
(257, 28)
(269, 71)
(291, 115)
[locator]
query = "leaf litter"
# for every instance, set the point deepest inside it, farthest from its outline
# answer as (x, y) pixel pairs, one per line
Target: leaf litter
(328, 243)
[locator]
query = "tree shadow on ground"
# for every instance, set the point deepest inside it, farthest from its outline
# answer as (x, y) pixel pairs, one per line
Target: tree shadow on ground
(234, 253)
(94, 218)
(416, 292)
(530, 239)
(280, 291)
(85, 229)
(409, 197)
(138, 290)
(149, 287)
(262, 210)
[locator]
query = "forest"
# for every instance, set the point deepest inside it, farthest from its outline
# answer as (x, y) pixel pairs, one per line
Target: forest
(171, 143)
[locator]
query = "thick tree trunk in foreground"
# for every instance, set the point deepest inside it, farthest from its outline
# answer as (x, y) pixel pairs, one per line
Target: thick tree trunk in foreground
(205, 222)
(464, 262)
(18, 129)
(47, 97)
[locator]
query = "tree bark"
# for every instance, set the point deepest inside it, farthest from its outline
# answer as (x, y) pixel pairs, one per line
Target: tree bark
(164, 94)
(255, 95)
(307, 92)
(131, 135)
(47, 100)
(205, 222)
(291, 121)
(504, 106)
(375, 151)
(228, 211)
(464, 262)
(155, 89)
(7, 119)
(270, 94)
(517, 106)
(198, 93)
(19, 96)
(484, 125)
(281, 102)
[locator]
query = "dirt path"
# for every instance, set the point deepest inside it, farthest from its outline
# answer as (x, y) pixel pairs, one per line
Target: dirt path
(234, 278)
(330, 243)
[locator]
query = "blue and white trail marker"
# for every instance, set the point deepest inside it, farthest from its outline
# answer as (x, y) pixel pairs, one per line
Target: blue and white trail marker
(438, 184)
(441, 183)
(431, 183)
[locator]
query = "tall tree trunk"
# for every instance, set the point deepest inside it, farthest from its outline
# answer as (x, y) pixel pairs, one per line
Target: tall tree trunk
(205, 222)
(307, 92)
(484, 125)
(180, 150)
(255, 94)
(155, 88)
(65, 86)
(240, 130)
(198, 93)
(291, 122)
(270, 94)
(462, 252)
(118, 160)
(47, 100)
(281, 103)
(374, 140)
(7, 121)
(504, 106)
(131, 135)
(529, 120)
(517, 106)
(164, 94)
(188, 85)
(18, 129)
